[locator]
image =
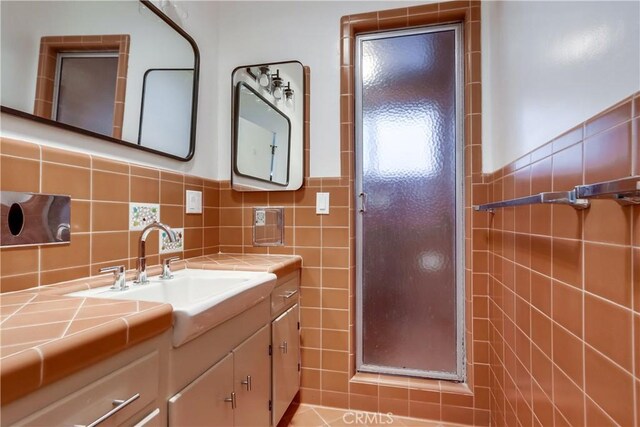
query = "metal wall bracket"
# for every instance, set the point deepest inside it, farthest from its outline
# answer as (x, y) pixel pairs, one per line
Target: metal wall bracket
(625, 191)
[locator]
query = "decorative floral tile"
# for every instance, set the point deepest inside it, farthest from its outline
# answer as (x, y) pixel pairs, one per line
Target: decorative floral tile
(143, 214)
(166, 246)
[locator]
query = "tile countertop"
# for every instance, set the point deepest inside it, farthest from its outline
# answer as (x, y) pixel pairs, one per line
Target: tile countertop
(45, 336)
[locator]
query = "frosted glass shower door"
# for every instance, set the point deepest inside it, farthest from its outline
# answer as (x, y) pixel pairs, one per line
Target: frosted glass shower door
(409, 189)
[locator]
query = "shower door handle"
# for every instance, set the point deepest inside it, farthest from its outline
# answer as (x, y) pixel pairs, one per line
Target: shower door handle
(363, 202)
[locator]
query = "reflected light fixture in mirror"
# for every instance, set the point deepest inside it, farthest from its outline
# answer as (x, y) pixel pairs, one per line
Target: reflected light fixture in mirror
(268, 127)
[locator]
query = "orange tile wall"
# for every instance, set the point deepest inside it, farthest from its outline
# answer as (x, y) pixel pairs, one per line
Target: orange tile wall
(100, 190)
(564, 289)
(327, 245)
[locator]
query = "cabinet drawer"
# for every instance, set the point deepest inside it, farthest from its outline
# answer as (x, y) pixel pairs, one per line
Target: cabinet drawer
(285, 294)
(90, 403)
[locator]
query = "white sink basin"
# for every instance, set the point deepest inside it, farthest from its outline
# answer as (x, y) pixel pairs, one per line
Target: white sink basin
(201, 299)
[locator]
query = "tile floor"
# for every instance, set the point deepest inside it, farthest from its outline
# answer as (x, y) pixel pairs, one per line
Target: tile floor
(322, 416)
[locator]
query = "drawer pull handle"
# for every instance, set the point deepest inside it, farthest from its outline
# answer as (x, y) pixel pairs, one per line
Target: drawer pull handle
(284, 346)
(289, 294)
(118, 406)
(232, 400)
(247, 382)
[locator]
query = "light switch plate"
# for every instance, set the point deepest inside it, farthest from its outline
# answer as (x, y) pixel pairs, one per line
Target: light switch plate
(194, 202)
(166, 246)
(322, 203)
(143, 214)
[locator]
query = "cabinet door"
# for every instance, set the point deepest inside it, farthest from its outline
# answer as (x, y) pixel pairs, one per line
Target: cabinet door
(202, 403)
(252, 376)
(286, 356)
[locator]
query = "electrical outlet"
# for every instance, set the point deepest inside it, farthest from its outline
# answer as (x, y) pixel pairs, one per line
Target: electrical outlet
(194, 202)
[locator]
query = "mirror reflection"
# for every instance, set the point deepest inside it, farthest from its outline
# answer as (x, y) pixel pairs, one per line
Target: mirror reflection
(118, 70)
(268, 131)
(263, 134)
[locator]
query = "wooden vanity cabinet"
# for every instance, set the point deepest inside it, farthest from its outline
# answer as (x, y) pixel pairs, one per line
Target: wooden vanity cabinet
(123, 390)
(285, 341)
(233, 392)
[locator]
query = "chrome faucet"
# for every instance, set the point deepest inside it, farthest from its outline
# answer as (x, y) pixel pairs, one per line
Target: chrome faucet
(141, 275)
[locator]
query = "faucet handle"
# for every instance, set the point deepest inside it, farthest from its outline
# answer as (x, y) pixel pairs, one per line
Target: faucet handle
(119, 283)
(166, 267)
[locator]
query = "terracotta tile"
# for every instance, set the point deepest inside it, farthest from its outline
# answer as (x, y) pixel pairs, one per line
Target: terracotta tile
(82, 349)
(71, 158)
(335, 257)
(567, 139)
(335, 319)
(334, 381)
(193, 220)
(19, 260)
(636, 339)
(142, 171)
(568, 398)
(145, 190)
(171, 193)
(567, 261)
(361, 402)
(541, 219)
(21, 374)
(30, 333)
(609, 386)
(69, 255)
(568, 307)
(110, 186)
(37, 318)
(541, 331)
(63, 275)
(335, 340)
(567, 353)
(16, 148)
(173, 216)
(608, 272)
(19, 174)
(338, 217)
(567, 168)
(149, 323)
(110, 216)
(335, 237)
(601, 320)
(310, 378)
(107, 165)
(69, 180)
(608, 119)
(541, 255)
(596, 416)
(109, 246)
(192, 238)
(608, 154)
(607, 223)
(80, 216)
(566, 223)
(429, 411)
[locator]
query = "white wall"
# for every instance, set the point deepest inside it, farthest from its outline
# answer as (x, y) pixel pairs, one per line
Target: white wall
(548, 66)
(152, 45)
(307, 31)
(201, 25)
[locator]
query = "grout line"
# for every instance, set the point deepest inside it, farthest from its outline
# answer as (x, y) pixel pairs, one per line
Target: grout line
(64, 333)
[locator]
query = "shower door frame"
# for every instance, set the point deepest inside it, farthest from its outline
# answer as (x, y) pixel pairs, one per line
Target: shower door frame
(460, 374)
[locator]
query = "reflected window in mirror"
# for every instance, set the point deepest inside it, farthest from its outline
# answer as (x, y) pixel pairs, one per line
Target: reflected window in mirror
(37, 36)
(268, 127)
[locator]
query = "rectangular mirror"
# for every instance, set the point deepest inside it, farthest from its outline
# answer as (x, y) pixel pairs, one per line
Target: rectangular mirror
(268, 127)
(121, 71)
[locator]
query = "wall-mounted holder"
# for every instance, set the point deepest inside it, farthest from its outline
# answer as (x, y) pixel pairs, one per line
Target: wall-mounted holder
(625, 191)
(268, 226)
(34, 219)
